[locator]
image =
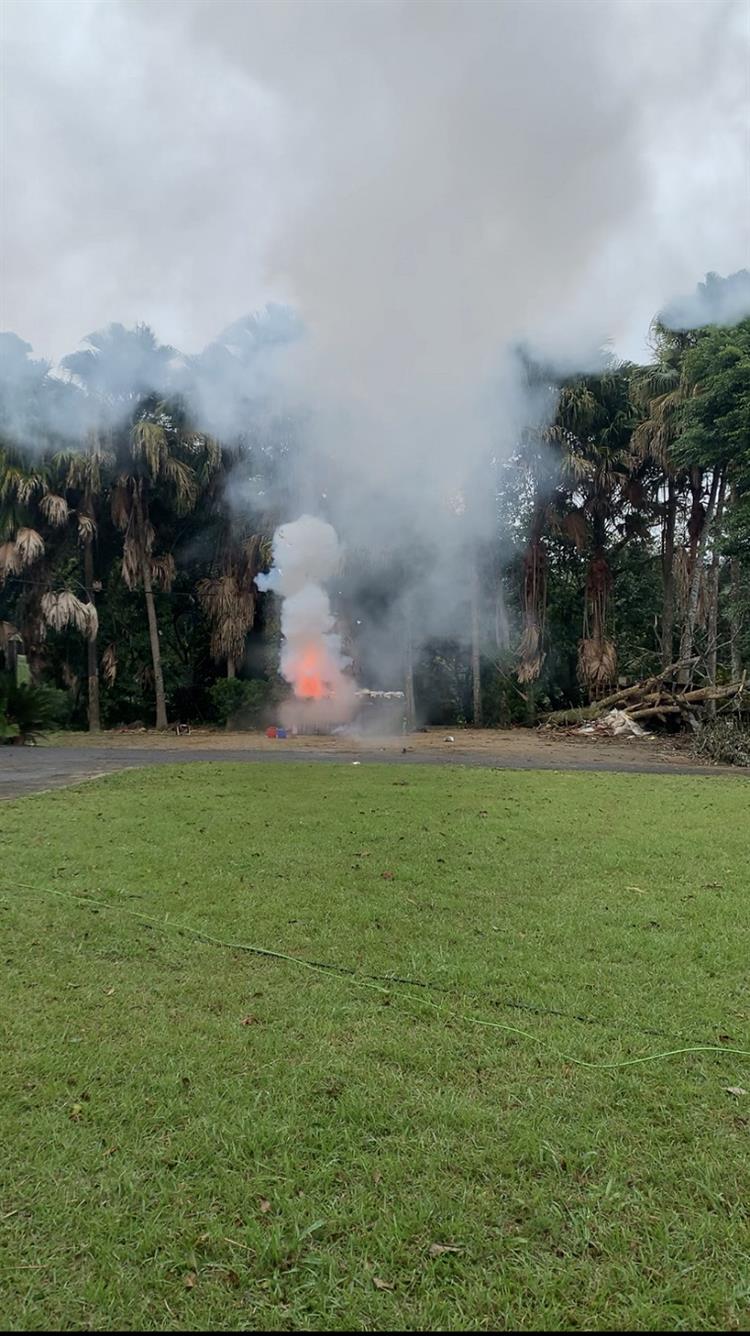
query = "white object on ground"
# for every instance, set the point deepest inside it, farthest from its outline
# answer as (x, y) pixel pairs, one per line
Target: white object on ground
(616, 723)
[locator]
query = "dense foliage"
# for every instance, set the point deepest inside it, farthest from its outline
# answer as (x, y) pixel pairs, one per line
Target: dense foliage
(127, 566)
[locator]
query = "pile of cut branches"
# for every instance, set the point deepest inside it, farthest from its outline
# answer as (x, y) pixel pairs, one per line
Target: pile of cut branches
(658, 699)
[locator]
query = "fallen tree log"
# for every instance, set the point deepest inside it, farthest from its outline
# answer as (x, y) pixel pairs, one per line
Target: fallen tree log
(647, 699)
(582, 713)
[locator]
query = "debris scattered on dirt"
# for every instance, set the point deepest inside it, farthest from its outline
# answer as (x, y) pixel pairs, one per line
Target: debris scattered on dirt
(615, 724)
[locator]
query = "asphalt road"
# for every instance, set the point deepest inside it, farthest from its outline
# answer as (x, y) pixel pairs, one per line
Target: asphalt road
(26, 770)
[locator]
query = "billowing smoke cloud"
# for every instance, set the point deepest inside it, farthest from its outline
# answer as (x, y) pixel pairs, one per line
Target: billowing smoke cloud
(718, 301)
(306, 555)
(426, 184)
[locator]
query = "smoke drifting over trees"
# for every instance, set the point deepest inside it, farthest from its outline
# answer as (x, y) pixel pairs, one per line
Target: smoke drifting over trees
(453, 207)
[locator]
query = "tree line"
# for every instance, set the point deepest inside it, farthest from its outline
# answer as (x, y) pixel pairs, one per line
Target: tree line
(127, 566)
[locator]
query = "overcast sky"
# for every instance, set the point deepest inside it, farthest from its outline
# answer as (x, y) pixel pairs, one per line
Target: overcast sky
(448, 173)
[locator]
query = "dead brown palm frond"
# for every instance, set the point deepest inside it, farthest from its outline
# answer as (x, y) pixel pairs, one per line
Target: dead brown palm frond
(230, 608)
(77, 470)
(258, 552)
(163, 571)
(26, 485)
(149, 443)
(54, 509)
(183, 481)
(109, 665)
(530, 654)
(597, 664)
(131, 565)
(86, 528)
(575, 527)
(121, 503)
(145, 677)
(64, 609)
(29, 546)
(10, 562)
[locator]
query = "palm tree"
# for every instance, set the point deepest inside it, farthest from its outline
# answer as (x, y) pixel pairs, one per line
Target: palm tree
(85, 478)
(23, 481)
(125, 375)
(594, 426)
(160, 454)
(660, 392)
(229, 597)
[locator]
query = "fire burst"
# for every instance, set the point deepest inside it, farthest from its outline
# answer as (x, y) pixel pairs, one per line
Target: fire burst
(307, 675)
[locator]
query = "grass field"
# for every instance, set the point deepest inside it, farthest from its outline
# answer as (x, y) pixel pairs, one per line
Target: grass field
(194, 1136)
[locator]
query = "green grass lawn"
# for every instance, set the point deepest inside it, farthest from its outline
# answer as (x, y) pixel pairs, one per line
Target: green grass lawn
(193, 1136)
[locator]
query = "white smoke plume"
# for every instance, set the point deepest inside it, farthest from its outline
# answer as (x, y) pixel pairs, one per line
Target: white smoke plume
(427, 183)
(718, 301)
(306, 555)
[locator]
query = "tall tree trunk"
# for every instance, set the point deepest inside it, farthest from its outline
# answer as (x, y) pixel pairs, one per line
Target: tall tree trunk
(667, 615)
(231, 668)
(713, 608)
(476, 642)
(153, 626)
(696, 575)
(410, 705)
(696, 518)
(735, 623)
(534, 599)
(91, 645)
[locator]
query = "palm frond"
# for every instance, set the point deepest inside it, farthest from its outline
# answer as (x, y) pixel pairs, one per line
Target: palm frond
(574, 526)
(183, 480)
(29, 546)
(109, 665)
(597, 664)
(10, 562)
(121, 502)
(163, 571)
(148, 442)
(131, 566)
(64, 609)
(54, 509)
(86, 528)
(229, 606)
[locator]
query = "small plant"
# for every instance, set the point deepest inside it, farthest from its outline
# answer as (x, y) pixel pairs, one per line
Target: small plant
(27, 711)
(723, 741)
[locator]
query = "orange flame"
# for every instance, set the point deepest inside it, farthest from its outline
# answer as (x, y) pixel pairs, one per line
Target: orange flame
(306, 674)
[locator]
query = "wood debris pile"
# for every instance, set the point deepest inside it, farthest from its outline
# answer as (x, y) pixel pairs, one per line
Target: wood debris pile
(658, 699)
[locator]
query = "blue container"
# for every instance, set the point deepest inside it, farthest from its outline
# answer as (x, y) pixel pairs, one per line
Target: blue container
(281, 733)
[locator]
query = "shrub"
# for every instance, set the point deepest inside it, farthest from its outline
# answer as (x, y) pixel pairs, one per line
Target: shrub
(243, 704)
(27, 711)
(723, 741)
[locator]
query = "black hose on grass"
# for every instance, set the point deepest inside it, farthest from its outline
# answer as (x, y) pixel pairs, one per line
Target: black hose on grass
(349, 976)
